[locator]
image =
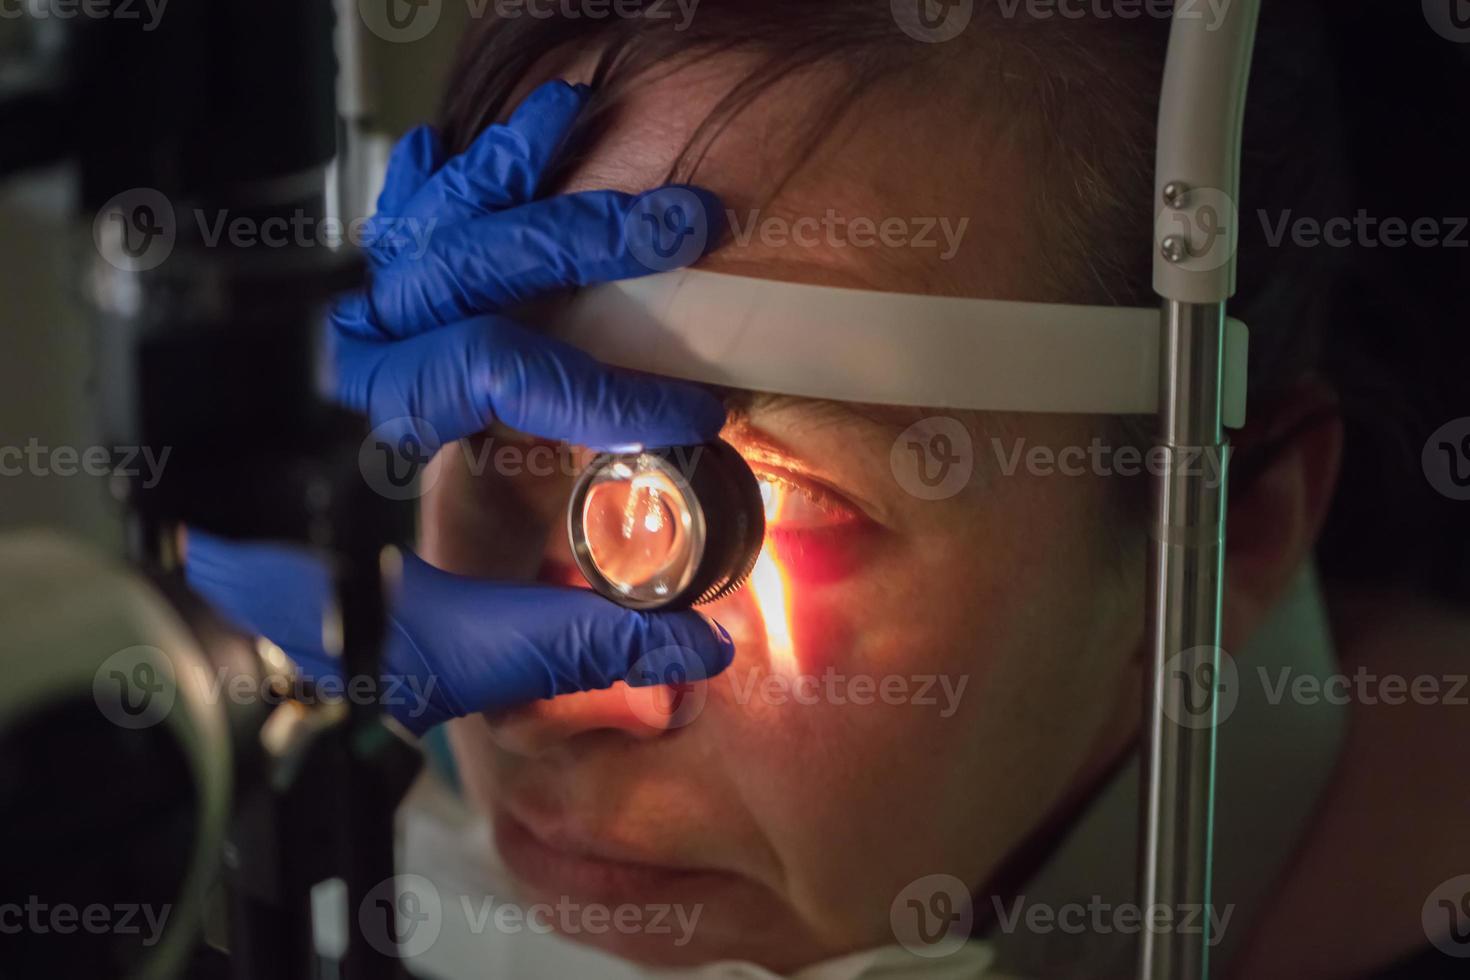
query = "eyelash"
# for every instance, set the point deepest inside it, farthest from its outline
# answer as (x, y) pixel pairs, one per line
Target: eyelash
(836, 511)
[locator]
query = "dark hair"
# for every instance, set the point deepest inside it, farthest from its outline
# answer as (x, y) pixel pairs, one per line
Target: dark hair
(1081, 97)
(1082, 94)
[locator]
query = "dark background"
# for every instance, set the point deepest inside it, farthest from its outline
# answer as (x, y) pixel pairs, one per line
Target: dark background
(1399, 343)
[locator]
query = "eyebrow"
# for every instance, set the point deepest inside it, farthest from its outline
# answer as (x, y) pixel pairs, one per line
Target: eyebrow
(764, 449)
(742, 404)
(761, 446)
(753, 439)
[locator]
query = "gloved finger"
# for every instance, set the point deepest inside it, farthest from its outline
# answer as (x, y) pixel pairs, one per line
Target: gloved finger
(504, 165)
(499, 261)
(277, 592)
(415, 158)
(413, 161)
(509, 643)
(457, 645)
(453, 382)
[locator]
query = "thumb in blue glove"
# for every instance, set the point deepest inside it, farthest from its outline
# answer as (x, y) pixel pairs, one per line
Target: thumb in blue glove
(457, 645)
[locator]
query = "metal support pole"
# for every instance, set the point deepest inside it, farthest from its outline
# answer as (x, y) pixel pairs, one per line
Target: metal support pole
(1187, 562)
(1197, 187)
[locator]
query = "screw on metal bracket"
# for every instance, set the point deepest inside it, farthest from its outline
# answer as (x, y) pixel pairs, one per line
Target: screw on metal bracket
(1175, 249)
(1176, 194)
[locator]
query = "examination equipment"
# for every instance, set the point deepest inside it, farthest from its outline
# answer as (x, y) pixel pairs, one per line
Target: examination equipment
(669, 528)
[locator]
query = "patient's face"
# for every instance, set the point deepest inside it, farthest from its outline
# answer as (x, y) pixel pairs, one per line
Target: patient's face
(918, 683)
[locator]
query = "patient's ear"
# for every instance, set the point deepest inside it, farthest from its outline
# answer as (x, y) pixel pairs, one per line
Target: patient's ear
(1282, 476)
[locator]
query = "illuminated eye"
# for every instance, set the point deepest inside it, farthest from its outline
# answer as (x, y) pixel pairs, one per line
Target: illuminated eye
(793, 508)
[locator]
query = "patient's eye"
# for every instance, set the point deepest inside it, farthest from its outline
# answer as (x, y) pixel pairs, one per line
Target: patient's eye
(811, 531)
(793, 505)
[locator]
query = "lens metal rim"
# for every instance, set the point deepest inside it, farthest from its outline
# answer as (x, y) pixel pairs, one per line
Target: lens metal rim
(724, 503)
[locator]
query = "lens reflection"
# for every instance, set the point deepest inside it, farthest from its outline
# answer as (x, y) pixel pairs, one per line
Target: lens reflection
(637, 533)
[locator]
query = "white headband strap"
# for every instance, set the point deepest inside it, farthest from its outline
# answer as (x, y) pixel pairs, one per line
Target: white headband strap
(887, 348)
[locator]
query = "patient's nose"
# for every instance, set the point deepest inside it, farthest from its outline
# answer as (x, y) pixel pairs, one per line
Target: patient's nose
(636, 713)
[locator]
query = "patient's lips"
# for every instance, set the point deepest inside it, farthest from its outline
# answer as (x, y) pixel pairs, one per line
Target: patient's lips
(556, 859)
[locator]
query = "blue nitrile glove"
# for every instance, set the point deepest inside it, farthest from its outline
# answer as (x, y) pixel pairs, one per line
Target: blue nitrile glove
(427, 355)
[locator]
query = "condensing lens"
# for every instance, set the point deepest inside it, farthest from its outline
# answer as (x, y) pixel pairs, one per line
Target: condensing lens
(638, 532)
(670, 528)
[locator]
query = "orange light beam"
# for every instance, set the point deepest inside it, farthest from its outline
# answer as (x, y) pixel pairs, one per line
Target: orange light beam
(772, 590)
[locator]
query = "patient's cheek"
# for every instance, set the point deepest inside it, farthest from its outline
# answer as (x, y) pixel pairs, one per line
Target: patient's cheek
(782, 625)
(822, 630)
(818, 557)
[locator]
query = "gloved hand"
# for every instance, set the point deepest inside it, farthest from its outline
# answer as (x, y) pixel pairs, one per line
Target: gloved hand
(427, 352)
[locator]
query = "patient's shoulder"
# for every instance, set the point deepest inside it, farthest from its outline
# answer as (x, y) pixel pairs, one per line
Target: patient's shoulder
(1391, 826)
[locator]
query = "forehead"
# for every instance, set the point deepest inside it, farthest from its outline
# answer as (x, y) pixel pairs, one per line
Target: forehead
(903, 190)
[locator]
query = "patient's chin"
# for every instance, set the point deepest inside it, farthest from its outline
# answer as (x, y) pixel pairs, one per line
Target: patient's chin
(653, 916)
(708, 943)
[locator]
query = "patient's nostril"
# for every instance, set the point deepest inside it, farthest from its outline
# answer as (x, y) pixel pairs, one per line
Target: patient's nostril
(545, 726)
